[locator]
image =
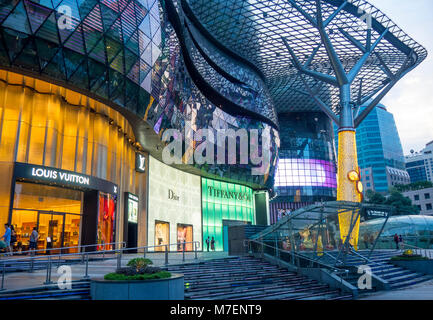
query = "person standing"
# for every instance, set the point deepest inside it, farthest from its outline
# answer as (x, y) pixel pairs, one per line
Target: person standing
(7, 239)
(13, 237)
(212, 244)
(396, 240)
(207, 243)
(34, 240)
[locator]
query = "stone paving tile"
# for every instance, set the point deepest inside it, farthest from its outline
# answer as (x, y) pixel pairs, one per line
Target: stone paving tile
(422, 291)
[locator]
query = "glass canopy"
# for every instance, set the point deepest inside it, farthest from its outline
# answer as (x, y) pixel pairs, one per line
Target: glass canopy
(254, 32)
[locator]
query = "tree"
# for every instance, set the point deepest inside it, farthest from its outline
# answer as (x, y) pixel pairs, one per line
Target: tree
(374, 197)
(402, 204)
(414, 186)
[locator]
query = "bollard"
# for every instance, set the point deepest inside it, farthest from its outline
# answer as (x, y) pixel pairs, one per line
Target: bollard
(195, 249)
(183, 252)
(119, 260)
(144, 252)
(86, 275)
(166, 254)
(48, 277)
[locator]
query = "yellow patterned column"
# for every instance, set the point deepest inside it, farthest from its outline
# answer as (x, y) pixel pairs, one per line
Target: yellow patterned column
(347, 189)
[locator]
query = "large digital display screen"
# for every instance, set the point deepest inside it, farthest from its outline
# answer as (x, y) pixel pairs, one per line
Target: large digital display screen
(224, 201)
(174, 198)
(305, 173)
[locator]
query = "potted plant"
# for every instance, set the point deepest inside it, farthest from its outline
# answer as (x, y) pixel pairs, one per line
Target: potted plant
(138, 281)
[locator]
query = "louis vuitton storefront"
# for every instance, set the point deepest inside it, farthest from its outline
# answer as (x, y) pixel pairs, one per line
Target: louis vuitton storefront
(66, 163)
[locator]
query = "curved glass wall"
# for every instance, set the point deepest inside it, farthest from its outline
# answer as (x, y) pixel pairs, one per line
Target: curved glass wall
(415, 231)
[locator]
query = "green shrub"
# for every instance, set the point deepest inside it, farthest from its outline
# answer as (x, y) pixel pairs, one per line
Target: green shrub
(149, 276)
(139, 263)
(409, 258)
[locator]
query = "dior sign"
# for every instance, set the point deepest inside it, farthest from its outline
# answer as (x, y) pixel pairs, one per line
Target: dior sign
(172, 195)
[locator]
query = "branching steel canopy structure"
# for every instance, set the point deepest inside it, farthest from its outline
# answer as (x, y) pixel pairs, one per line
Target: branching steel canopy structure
(286, 40)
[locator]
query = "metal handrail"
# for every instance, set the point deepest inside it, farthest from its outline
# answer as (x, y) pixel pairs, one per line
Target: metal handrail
(327, 266)
(418, 248)
(123, 243)
(292, 253)
(85, 255)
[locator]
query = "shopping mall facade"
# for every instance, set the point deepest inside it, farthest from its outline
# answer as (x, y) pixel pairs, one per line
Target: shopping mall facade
(89, 87)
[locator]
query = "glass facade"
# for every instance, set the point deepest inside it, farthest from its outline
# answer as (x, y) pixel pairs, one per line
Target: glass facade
(417, 171)
(50, 126)
(415, 230)
(379, 148)
(307, 163)
(55, 212)
(223, 203)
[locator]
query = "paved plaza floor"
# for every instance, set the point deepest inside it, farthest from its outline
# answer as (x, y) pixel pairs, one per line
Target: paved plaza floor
(97, 269)
(422, 291)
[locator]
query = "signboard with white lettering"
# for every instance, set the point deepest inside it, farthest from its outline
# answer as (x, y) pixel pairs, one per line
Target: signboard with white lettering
(140, 163)
(62, 177)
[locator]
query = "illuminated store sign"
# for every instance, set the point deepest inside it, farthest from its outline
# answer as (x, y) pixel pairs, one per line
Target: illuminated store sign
(224, 201)
(132, 207)
(140, 163)
(219, 193)
(62, 177)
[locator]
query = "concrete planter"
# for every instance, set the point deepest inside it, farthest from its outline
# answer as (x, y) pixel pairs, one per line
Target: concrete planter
(420, 266)
(158, 289)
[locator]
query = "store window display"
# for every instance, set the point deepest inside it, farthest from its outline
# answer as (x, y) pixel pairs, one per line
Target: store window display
(55, 212)
(184, 234)
(106, 221)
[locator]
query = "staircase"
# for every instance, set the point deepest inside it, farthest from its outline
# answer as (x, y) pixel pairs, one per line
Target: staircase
(246, 278)
(381, 266)
(80, 291)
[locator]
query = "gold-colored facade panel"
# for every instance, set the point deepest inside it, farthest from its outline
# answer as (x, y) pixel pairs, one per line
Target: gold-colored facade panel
(48, 125)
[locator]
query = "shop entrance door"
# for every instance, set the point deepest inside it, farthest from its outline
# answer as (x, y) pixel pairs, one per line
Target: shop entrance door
(63, 229)
(51, 226)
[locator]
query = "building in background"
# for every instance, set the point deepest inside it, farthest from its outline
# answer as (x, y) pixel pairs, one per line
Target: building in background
(380, 154)
(306, 171)
(423, 199)
(419, 165)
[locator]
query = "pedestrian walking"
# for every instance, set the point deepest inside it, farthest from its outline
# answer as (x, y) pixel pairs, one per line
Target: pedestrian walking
(212, 244)
(33, 245)
(7, 239)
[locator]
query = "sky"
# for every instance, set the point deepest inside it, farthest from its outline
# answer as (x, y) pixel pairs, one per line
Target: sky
(411, 100)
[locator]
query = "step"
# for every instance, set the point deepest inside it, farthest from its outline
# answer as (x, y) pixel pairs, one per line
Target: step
(410, 282)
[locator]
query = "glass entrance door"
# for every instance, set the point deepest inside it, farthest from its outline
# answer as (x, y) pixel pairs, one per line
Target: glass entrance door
(51, 227)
